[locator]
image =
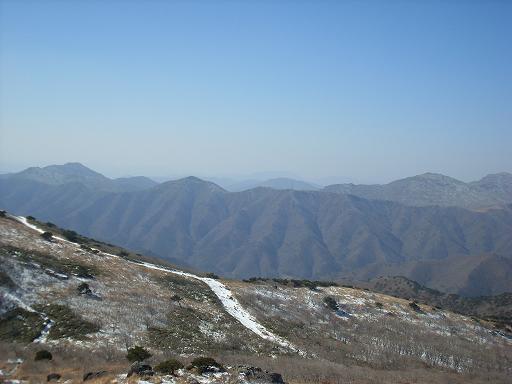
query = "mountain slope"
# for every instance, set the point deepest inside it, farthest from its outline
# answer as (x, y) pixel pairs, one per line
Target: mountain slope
(87, 307)
(490, 307)
(436, 189)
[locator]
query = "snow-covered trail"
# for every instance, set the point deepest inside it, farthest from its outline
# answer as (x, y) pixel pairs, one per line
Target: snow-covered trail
(233, 307)
(230, 303)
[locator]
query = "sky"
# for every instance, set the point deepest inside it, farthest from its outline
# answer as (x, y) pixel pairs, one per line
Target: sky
(368, 91)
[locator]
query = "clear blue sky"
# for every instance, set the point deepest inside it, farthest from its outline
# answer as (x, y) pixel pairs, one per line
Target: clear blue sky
(371, 90)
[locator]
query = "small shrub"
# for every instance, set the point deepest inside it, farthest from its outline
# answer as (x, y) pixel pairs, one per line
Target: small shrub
(414, 306)
(123, 254)
(31, 218)
(6, 281)
(48, 236)
(331, 303)
(168, 367)
(43, 355)
(3, 213)
(51, 225)
(379, 304)
(205, 364)
(137, 353)
(212, 275)
(70, 235)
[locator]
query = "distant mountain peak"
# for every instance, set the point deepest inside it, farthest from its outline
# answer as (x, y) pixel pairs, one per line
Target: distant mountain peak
(193, 182)
(431, 176)
(497, 176)
(73, 168)
(75, 172)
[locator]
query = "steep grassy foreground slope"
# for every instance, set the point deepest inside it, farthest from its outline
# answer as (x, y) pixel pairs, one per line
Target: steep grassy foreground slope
(330, 334)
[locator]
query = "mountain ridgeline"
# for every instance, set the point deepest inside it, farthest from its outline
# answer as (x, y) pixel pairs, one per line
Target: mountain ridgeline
(435, 189)
(318, 234)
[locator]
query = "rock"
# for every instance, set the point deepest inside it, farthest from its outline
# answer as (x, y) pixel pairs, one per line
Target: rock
(94, 375)
(140, 369)
(257, 375)
(83, 289)
(53, 377)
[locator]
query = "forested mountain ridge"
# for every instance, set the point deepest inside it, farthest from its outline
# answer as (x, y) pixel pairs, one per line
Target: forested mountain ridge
(283, 233)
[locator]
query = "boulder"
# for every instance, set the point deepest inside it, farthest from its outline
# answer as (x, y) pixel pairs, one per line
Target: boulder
(140, 369)
(257, 375)
(53, 377)
(84, 289)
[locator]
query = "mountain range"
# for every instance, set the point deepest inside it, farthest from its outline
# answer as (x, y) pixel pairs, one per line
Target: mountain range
(320, 234)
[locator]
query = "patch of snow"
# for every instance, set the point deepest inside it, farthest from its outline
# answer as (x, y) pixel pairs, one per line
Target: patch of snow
(15, 361)
(18, 301)
(44, 333)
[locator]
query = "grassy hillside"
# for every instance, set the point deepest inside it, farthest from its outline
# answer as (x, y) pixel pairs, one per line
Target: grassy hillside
(343, 333)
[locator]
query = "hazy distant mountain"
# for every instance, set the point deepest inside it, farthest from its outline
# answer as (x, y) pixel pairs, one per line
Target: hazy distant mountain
(269, 232)
(78, 173)
(436, 189)
(277, 183)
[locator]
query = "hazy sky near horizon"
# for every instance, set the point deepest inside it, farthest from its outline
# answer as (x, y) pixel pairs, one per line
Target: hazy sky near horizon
(369, 90)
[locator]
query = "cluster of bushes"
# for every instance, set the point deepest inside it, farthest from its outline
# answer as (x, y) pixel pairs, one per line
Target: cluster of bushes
(138, 354)
(304, 283)
(71, 236)
(48, 236)
(168, 367)
(67, 323)
(46, 260)
(205, 364)
(20, 325)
